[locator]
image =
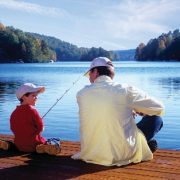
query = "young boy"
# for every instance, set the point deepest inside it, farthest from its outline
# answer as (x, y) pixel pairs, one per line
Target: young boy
(27, 125)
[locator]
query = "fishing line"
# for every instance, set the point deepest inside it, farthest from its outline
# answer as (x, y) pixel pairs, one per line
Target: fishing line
(61, 96)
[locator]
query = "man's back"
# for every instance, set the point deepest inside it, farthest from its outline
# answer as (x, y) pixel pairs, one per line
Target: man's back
(107, 127)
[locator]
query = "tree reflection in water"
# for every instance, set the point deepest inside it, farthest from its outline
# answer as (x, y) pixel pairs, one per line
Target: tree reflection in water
(171, 85)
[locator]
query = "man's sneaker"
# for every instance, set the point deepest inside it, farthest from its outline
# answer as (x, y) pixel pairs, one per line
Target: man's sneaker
(153, 145)
(4, 145)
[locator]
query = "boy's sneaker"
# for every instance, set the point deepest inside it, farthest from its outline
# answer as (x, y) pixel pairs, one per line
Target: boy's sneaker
(153, 145)
(52, 148)
(4, 145)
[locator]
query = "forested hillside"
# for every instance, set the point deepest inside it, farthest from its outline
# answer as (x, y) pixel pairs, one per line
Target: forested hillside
(124, 55)
(16, 45)
(69, 52)
(165, 47)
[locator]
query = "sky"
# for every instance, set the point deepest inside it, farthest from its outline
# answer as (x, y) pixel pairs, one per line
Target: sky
(110, 24)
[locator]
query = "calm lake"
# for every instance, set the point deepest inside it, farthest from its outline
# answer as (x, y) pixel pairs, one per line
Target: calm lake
(159, 79)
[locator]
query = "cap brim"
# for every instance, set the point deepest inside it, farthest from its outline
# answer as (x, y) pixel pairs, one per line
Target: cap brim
(40, 89)
(86, 74)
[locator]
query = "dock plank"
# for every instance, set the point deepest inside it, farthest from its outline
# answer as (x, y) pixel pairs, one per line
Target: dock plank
(17, 165)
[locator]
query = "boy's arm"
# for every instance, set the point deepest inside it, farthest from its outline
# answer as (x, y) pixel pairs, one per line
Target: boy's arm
(38, 121)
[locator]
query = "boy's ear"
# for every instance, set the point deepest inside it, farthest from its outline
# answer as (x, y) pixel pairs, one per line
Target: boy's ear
(23, 97)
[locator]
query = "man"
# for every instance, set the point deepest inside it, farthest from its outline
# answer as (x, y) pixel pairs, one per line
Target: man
(108, 132)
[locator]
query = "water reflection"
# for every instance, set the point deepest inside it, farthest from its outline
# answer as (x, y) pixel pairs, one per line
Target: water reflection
(7, 88)
(169, 84)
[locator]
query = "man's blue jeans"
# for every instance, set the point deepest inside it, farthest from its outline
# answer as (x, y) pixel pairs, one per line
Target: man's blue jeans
(150, 125)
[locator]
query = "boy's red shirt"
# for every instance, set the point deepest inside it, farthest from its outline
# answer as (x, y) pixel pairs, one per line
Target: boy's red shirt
(27, 125)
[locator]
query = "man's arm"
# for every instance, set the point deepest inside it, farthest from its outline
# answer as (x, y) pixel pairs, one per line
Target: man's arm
(144, 104)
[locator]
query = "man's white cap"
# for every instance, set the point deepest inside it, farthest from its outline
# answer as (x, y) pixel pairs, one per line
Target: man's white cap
(28, 88)
(100, 61)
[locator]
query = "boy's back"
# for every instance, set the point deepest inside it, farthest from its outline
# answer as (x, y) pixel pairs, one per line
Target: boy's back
(26, 125)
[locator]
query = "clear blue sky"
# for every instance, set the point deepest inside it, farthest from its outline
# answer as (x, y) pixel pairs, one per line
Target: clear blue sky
(111, 24)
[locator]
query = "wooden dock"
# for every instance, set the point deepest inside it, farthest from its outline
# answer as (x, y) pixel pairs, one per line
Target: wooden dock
(23, 166)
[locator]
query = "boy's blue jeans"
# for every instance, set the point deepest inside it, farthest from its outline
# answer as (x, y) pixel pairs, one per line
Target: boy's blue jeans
(150, 125)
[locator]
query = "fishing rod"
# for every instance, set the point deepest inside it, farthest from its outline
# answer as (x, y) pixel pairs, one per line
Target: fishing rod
(62, 96)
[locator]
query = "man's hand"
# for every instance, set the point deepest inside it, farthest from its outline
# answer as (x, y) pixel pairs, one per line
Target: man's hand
(140, 114)
(137, 113)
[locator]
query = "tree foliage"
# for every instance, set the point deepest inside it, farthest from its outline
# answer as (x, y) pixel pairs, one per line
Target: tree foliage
(16, 45)
(165, 47)
(69, 52)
